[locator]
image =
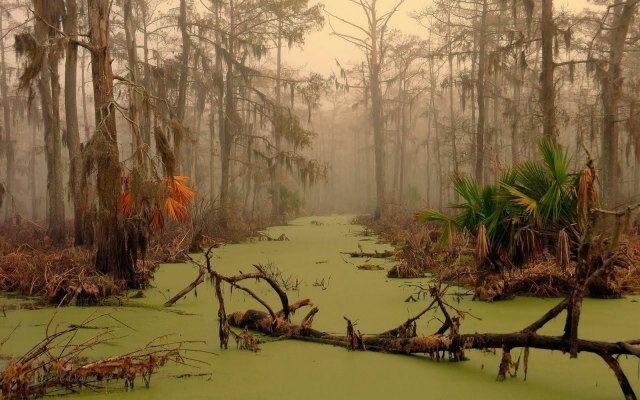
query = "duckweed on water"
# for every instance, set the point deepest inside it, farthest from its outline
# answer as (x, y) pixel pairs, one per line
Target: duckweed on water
(293, 370)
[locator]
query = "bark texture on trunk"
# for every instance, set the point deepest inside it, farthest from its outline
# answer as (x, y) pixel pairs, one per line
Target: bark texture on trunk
(480, 87)
(182, 85)
(6, 128)
(112, 257)
(70, 23)
(49, 88)
(547, 88)
(134, 97)
(377, 113)
(624, 13)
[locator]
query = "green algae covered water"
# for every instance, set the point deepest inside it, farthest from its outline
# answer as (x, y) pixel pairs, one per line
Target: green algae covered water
(297, 370)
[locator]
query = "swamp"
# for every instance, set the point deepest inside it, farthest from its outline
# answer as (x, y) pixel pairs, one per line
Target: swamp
(284, 199)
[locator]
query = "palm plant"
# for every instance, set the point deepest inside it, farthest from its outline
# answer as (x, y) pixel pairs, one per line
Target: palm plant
(532, 205)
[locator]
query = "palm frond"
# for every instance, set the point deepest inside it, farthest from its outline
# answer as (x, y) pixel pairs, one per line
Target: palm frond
(448, 224)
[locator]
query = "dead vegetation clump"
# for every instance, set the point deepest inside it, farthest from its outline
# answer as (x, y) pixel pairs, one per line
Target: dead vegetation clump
(419, 252)
(417, 249)
(31, 265)
(57, 364)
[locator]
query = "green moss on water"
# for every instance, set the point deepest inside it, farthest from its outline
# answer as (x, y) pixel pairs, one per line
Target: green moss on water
(294, 370)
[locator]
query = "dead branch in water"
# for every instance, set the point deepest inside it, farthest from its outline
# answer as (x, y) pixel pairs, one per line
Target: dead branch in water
(56, 363)
(193, 285)
(596, 257)
(376, 254)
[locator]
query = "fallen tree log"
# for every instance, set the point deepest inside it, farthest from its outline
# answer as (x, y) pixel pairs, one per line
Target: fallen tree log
(375, 254)
(596, 256)
(447, 342)
(256, 320)
(440, 345)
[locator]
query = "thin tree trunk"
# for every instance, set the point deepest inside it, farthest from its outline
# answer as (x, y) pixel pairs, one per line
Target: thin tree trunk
(49, 89)
(474, 57)
(403, 141)
(32, 174)
(184, 74)
(515, 121)
(134, 98)
(145, 121)
(454, 149)
(5, 129)
(212, 148)
(377, 113)
(547, 92)
(70, 23)
(624, 13)
(277, 213)
(480, 86)
(434, 118)
(83, 91)
(228, 118)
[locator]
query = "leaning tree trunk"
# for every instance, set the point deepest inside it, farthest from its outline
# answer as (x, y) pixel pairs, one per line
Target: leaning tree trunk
(624, 13)
(111, 257)
(70, 23)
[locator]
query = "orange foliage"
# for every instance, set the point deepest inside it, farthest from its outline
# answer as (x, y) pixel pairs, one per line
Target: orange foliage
(174, 205)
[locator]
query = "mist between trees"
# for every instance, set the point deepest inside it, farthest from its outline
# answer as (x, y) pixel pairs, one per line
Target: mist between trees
(103, 105)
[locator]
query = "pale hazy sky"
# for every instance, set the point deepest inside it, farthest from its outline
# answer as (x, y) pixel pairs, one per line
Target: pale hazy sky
(322, 48)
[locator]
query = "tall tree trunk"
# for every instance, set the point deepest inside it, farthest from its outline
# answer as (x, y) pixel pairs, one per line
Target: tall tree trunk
(134, 97)
(480, 87)
(547, 89)
(145, 121)
(474, 58)
(184, 75)
(277, 214)
(434, 118)
(83, 92)
(229, 124)
(403, 139)
(49, 88)
(112, 257)
(515, 114)
(396, 161)
(624, 13)
(377, 113)
(33, 191)
(5, 129)
(70, 23)
(454, 148)
(212, 148)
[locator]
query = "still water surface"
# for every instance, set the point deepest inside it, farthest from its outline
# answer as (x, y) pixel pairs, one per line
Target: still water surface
(294, 370)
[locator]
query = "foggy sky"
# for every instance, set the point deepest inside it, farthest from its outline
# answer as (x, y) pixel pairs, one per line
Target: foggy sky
(321, 49)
